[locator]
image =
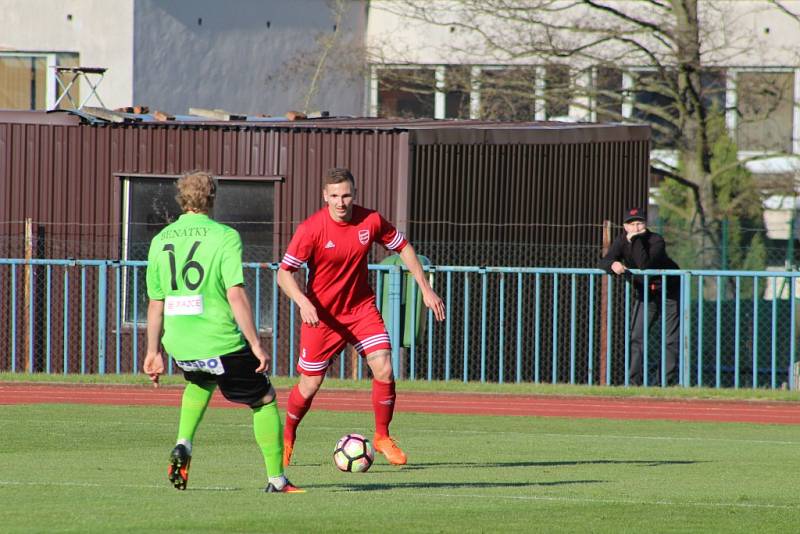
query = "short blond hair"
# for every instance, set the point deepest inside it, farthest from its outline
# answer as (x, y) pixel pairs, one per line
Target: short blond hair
(196, 191)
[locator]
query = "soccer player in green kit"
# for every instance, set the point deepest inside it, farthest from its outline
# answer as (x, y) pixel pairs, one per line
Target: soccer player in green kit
(197, 298)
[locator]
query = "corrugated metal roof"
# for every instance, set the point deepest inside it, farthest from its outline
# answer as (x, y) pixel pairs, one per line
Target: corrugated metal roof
(421, 131)
(61, 117)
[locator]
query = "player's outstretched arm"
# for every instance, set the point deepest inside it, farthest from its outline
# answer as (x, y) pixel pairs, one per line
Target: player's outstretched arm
(243, 313)
(153, 361)
(308, 312)
(429, 296)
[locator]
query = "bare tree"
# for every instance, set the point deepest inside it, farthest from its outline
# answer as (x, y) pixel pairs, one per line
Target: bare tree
(657, 58)
(337, 53)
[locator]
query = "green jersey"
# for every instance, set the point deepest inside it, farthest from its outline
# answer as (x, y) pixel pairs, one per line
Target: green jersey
(191, 265)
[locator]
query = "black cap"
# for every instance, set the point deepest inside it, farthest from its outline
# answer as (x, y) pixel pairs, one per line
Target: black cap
(634, 214)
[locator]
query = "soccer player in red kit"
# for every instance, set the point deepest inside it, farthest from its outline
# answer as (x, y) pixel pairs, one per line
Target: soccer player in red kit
(338, 305)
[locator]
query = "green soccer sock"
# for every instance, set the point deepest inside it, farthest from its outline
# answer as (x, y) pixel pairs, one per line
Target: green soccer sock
(193, 407)
(269, 436)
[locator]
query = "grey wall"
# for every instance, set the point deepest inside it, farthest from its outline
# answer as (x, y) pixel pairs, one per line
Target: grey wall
(233, 61)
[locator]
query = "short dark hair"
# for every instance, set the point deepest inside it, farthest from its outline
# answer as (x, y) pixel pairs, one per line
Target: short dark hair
(337, 175)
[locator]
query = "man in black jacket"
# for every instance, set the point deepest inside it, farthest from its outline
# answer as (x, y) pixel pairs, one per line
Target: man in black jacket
(639, 248)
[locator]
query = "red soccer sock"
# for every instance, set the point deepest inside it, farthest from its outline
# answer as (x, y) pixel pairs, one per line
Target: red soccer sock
(383, 397)
(296, 409)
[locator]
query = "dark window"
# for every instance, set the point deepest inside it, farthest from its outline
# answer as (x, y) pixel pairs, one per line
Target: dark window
(457, 84)
(765, 107)
(244, 205)
(508, 94)
(655, 104)
(406, 92)
(712, 91)
(557, 91)
(608, 94)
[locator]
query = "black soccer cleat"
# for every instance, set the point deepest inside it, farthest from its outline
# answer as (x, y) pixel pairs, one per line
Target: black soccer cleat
(178, 470)
(287, 488)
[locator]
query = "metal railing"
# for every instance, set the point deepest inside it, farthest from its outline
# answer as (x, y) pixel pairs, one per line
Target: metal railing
(504, 324)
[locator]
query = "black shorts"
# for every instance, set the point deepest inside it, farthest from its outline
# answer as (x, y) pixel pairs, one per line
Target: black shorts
(239, 382)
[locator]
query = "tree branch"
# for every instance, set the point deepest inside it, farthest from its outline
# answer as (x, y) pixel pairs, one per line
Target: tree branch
(628, 18)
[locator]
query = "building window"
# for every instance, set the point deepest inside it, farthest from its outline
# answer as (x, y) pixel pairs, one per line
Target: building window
(457, 88)
(608, 94)
(654, 103)
(406, 93)
(508, 94)
(713, 84)
(28, 81)
(246, 205)
(557, 91)
(765, 111)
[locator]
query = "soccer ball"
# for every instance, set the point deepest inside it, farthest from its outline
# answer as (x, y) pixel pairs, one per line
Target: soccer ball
(353, 453)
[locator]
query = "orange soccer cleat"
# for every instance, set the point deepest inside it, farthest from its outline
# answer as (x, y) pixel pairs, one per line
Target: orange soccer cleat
(388, 447)
(287, 452)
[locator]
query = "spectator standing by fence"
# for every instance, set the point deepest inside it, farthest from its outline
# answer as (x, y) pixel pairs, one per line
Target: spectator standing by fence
(636, 247)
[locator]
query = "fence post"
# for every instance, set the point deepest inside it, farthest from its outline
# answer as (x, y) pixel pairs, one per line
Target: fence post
(604, 296)
(395, 286)
(686, 332)
(27, 298)
(102, 302)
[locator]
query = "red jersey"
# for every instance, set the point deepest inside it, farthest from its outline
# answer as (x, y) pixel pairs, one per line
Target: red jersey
(336, 254)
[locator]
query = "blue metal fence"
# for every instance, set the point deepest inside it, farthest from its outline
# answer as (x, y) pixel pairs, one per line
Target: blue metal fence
(737, 329)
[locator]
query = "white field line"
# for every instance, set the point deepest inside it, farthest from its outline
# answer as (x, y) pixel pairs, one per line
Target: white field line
(109, 485)
(586, 500)
(407, 432)
(653, 438)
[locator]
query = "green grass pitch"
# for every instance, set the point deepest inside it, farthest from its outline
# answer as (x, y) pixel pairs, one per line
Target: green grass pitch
(76, 468)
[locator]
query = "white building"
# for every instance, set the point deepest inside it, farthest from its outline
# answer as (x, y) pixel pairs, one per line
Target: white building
(748, 43)
(245, 56)
(753, 48)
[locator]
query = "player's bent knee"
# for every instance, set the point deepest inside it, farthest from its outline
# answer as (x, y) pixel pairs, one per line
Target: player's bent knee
(310, 384)
(266, 399)
(385, 376)
(380, 363)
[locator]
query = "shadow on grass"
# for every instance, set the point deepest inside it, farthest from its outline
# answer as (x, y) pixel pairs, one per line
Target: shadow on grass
(450, 465)
(450, 485)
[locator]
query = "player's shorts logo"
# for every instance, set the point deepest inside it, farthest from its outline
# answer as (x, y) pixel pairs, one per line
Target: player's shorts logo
(363, 236)
(207, 365)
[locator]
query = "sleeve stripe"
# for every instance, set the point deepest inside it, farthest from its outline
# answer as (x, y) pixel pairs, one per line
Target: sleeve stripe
(397, 241)
(291, 261)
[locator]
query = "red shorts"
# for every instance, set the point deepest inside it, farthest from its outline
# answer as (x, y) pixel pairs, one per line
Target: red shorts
(364, 329)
